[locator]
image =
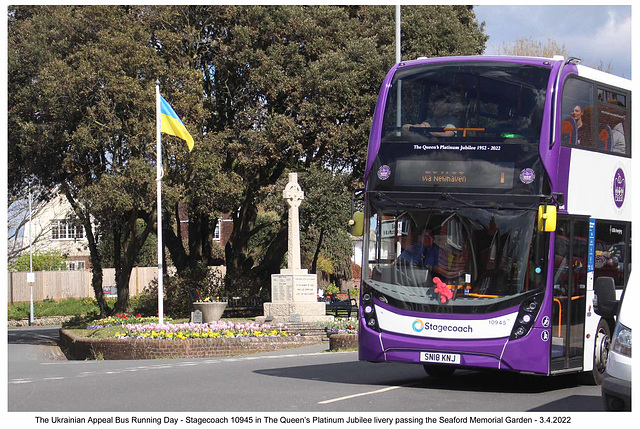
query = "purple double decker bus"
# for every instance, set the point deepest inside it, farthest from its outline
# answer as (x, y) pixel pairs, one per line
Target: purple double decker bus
(497, 194)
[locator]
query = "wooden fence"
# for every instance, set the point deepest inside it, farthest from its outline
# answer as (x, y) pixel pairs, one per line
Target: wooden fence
(72, 284)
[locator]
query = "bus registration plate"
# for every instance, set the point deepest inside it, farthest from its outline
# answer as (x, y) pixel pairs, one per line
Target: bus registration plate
(440, 358)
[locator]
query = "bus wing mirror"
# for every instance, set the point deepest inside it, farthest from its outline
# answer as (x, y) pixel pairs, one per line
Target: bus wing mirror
(357, 224)
(547, 218)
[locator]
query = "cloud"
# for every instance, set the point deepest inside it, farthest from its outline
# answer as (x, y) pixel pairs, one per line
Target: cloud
(593, 33)
(610, 43)
(613, 38)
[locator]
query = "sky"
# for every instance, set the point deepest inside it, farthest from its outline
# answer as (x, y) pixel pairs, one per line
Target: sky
(592, 33)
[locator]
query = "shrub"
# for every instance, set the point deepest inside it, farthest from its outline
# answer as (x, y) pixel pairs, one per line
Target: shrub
(332, 289)
(63, 307)
(342, 326)
(41, 261)
(177, 301)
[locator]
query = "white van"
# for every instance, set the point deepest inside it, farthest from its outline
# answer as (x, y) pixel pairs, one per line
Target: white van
(616, 385)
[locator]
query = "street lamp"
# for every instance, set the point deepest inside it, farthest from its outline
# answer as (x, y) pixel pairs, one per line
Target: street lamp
(30, 275)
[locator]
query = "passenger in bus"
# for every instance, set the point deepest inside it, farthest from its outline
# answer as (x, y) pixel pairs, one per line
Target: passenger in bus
(612, 117)
(619, 142)
(577, 114)
(440, 119)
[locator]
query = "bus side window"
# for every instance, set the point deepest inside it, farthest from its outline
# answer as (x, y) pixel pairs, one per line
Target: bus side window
(577, 113)
(611, 251)
(612, 118)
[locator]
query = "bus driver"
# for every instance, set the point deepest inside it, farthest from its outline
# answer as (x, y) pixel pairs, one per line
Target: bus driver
(440, 119)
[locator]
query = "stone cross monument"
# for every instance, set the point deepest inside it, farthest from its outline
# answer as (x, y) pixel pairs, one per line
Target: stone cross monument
(294, 291)
(293, 195)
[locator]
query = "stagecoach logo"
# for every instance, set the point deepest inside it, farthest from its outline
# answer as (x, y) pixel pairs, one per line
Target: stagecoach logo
(619, 188)
(384, 172)
(527, 176)
(418, 325)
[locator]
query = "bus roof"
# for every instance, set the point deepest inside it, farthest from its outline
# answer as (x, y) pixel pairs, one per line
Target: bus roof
(606, 78)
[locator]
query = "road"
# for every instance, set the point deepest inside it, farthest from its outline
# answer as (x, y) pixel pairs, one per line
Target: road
(308, 379)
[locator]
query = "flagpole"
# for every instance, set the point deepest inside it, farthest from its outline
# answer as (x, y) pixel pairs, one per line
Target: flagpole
(159, 204)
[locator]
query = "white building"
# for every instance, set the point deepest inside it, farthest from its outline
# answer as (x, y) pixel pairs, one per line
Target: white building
(55, 228)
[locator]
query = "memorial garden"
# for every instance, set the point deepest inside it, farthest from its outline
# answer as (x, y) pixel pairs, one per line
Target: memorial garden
(276, 103)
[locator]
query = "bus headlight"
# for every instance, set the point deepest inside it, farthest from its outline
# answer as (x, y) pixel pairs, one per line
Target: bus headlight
(529, 310)
(621, 342)
(369, 311)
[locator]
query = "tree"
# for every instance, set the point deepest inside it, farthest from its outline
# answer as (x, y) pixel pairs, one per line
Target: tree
(325, 213)
(437, 31)
(263, 90)
(183, 38)
(40, 261)
(286, 88)
(147, 257)
(81, 92)
(534, 48)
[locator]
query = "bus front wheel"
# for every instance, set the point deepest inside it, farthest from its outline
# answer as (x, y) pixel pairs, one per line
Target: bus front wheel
(439, 371)
(600, 355)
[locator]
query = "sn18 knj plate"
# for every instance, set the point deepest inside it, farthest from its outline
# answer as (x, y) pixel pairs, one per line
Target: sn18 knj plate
(448, 358)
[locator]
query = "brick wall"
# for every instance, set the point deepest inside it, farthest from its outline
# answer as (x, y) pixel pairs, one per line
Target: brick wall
(84, 348)
(343, 342)
(226, 228)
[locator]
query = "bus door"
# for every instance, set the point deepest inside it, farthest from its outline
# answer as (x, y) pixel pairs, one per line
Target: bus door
(569, 293)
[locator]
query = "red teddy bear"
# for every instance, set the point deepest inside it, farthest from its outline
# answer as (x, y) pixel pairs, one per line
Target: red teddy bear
(443, 290)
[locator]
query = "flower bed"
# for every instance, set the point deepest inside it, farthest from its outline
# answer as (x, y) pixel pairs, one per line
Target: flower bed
(343, 334)
(342, 326)
(184, 340)
(185, 331)
(121, 319)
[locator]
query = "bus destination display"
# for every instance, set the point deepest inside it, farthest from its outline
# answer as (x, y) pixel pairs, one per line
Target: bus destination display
(454, 174)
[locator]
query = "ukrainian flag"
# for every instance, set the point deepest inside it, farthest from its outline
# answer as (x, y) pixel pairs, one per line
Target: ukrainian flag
(171, 123)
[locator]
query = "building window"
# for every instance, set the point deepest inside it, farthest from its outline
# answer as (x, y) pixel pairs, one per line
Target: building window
(454, 234)
(66, 230)
(216, 233)
(75, 265)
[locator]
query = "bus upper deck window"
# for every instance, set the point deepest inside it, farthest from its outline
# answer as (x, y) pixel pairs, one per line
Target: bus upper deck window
(577, 113)
(612, 117)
